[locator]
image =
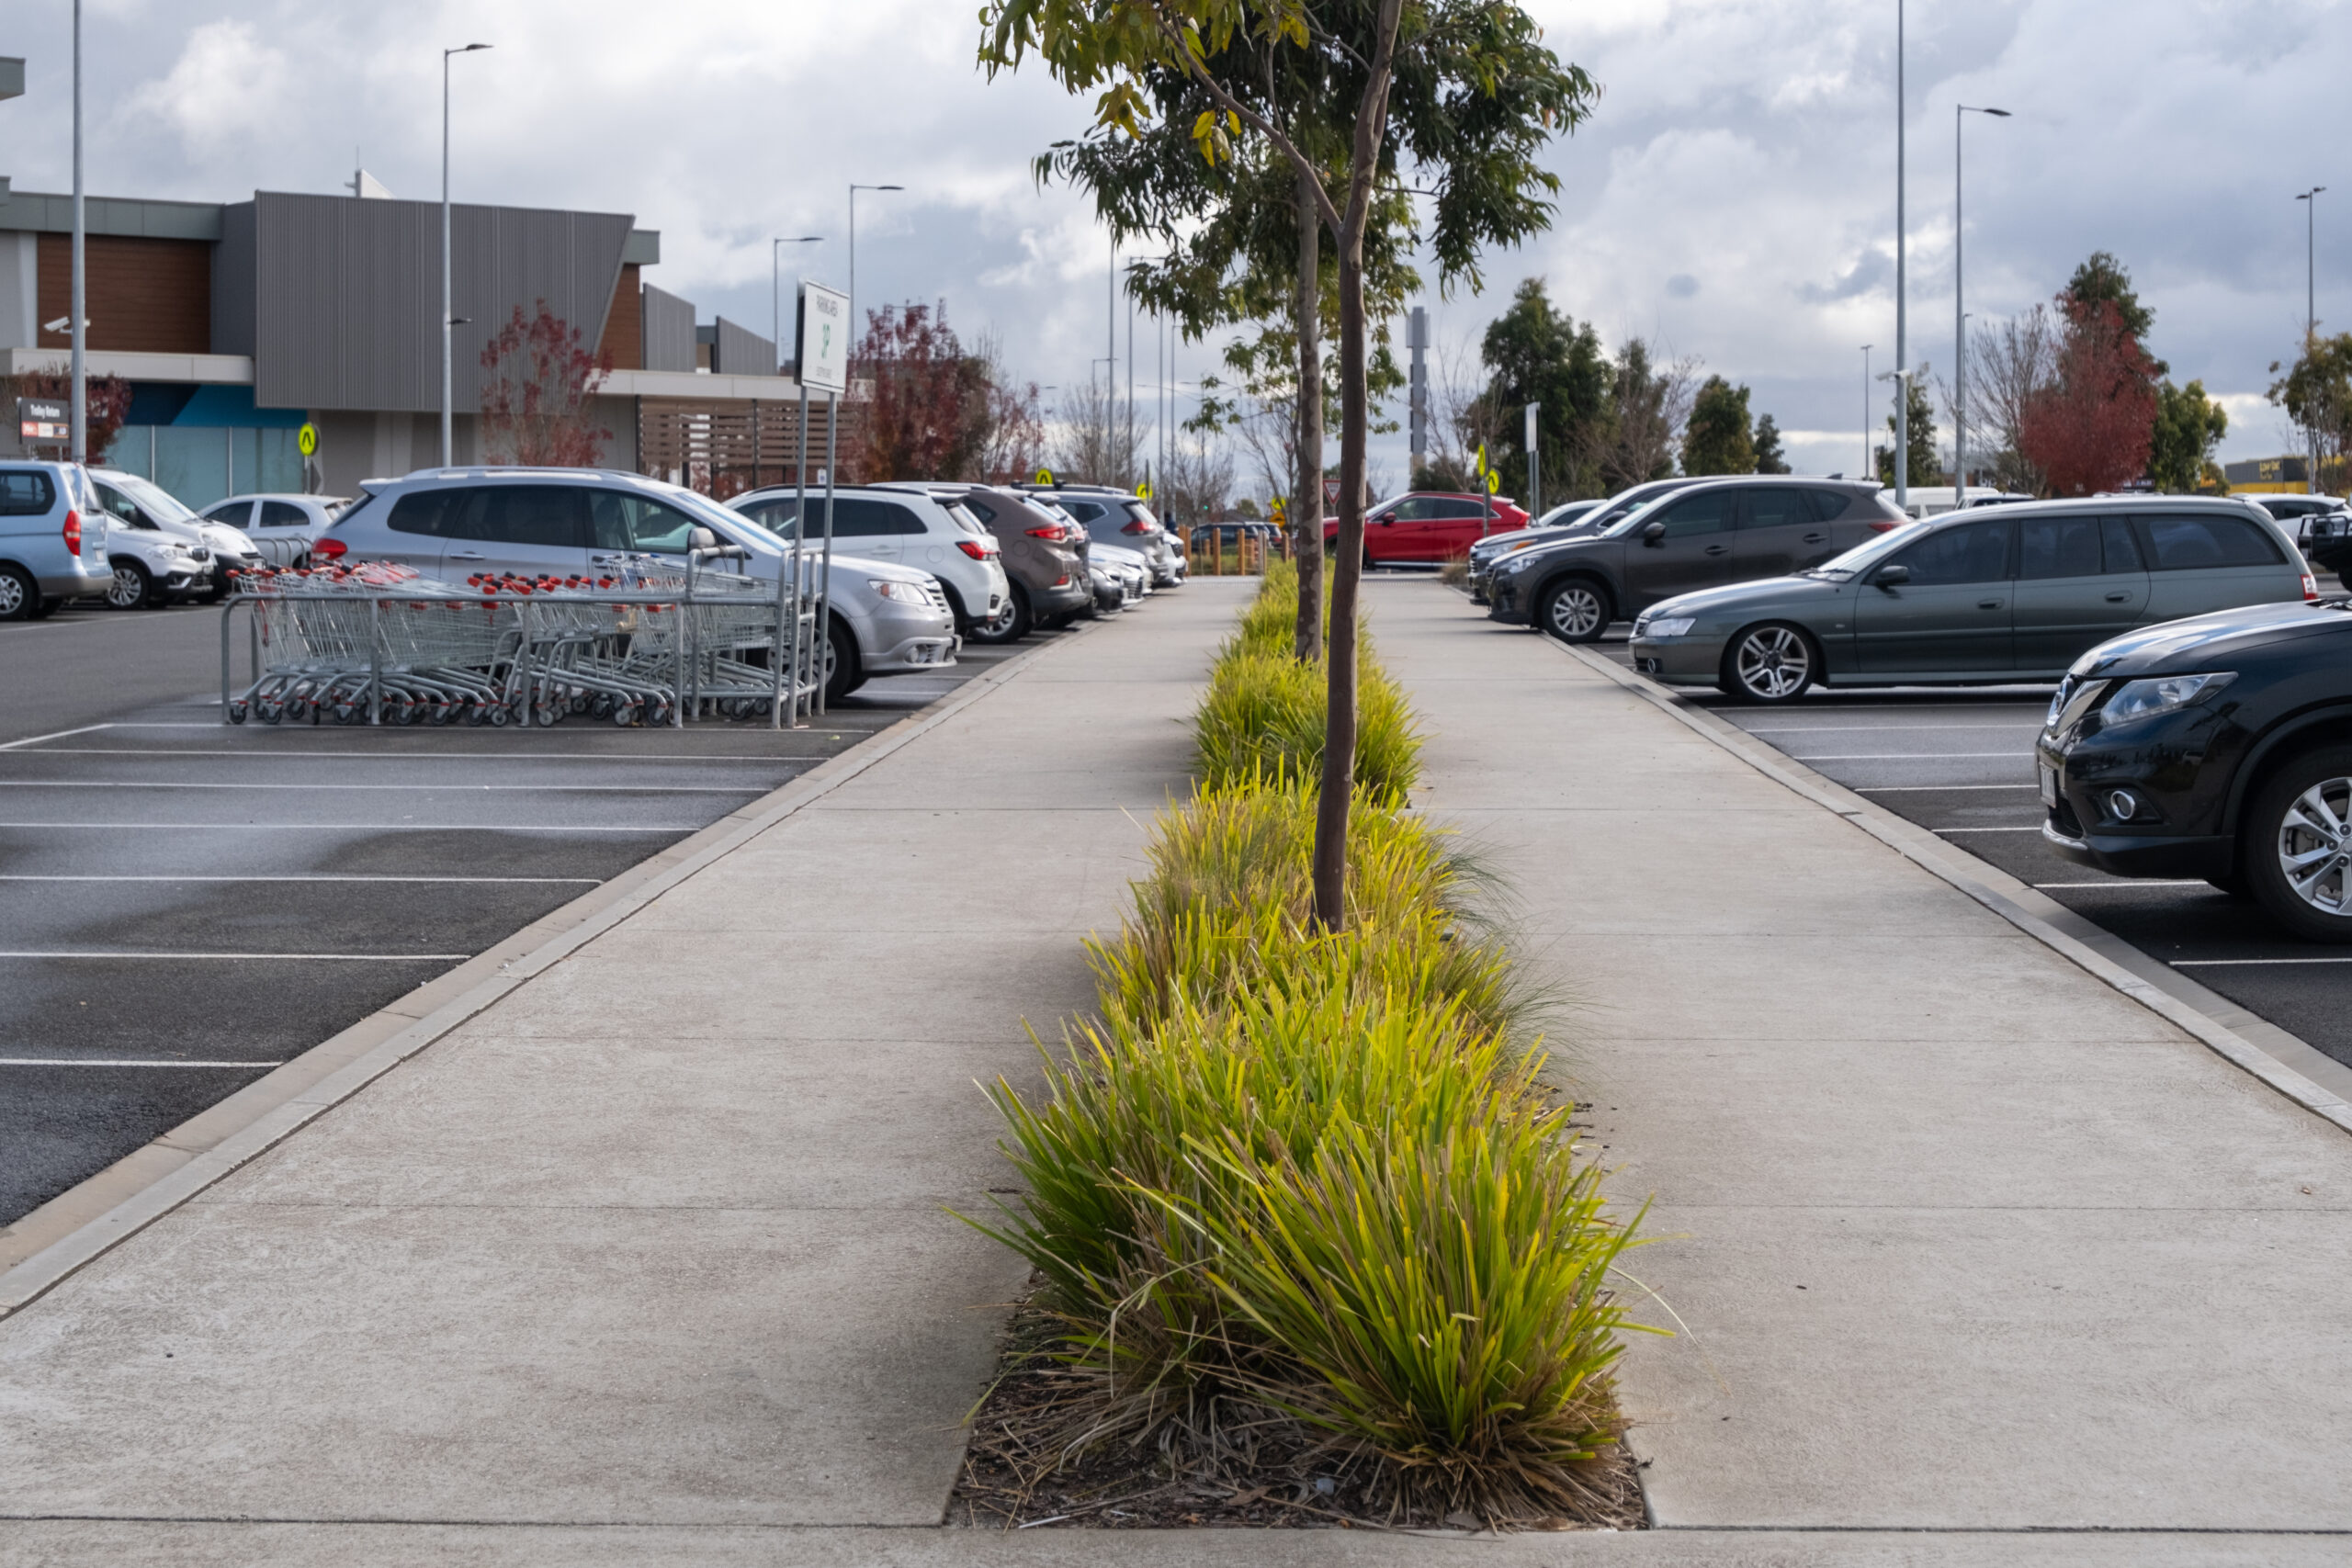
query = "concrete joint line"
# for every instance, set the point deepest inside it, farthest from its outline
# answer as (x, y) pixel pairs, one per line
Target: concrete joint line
(483, 981)
(2103, 955)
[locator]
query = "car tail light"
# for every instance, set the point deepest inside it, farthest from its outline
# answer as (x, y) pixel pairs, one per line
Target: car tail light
(974, 548)
(73, 533)
(1884, 524)
(1137, 526)
(1052, 531)
(2311, 590)
(327, 545)
(1062, 581)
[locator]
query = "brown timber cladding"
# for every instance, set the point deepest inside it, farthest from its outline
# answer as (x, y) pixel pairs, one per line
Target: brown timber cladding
(728, 447)
(145, 296)
(624, 345)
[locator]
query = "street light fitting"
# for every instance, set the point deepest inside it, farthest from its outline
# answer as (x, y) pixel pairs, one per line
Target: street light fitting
(469, 48)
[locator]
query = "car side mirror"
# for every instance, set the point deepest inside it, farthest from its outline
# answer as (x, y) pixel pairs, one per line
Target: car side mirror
(1654, 536)
(1893, 576)
(702, 539)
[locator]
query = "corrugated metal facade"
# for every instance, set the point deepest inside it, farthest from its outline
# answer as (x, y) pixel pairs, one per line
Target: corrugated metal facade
(669, 330)
(346, 294)
(739, 351)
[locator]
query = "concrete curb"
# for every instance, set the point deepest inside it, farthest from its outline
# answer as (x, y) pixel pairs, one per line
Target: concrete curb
(2303, 1074)
(83, 1224)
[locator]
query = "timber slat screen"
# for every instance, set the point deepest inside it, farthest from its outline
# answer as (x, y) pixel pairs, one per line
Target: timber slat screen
(726, 448)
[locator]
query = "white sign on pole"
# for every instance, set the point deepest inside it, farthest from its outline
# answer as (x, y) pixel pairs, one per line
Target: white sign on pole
(823, 338)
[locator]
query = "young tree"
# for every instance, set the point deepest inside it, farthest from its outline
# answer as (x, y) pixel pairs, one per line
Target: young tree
(1536, 354)
(2316, 392)
(1924, 469)
(1717, 440)
(2187, 427)
(1648, 408)
(1470, 126)
(538, 376)
(927, 417)
(2011, 363)
(1094, 440)
(1770, 458)
(2091, 428)
(1014, 445)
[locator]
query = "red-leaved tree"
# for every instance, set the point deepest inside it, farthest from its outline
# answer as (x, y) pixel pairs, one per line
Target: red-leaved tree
(928, 413)
(108, 405)
(2091, 427)
(537, 379)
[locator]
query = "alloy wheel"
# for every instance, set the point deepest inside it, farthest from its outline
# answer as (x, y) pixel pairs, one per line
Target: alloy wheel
(17, 598)
(1774, 663)
(128, 589)
(1576, 613)
(2316, 846)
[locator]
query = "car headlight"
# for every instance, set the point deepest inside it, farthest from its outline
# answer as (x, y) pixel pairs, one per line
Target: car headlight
(1667, 625)
(899, 592)
(2162, 694)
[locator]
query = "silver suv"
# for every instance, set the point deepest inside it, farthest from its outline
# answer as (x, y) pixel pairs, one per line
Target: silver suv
(52, 539)
(886, 619)
(904, 525)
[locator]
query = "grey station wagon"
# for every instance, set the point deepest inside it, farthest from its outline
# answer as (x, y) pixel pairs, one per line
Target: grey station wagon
(1973, 598)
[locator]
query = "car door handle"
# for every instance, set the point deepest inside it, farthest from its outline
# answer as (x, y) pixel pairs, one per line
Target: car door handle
(1988, 604)
(1814, 538)
(468, 555)
(2117, 598)
(1717, 550)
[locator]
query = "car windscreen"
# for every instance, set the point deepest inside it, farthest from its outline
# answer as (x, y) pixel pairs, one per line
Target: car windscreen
(157, 502)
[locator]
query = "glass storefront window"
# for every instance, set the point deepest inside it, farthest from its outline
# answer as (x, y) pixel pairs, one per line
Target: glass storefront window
(202, 464)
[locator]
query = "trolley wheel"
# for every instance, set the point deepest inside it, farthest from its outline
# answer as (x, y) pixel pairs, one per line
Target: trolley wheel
(237, 711)
(498, 716)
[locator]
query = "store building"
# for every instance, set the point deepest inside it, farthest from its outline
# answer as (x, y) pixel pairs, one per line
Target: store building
(238, 324)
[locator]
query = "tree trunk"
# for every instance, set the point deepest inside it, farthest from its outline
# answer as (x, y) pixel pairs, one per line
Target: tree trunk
(1338, 783)
(1306, 507)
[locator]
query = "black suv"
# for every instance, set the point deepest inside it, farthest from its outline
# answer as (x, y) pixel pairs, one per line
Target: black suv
(2218, 747)
(2327, 543)
(1698, 536)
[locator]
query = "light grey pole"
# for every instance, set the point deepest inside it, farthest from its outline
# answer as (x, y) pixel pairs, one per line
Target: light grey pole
(775, 288)
(80, 377)
(1534, 477)
(1866, 469)
(1960, 317)
(447, 450)
(1902, 339)
(852, 327)
(2309, 199)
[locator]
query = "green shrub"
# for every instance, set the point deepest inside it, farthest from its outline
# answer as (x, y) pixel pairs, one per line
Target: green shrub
(1264, 717)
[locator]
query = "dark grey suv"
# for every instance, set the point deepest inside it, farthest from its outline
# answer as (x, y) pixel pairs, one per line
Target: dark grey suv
(1714, 532)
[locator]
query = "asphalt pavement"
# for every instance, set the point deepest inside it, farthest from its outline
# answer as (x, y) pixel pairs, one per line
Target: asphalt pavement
(185, 904)
(1959, 763)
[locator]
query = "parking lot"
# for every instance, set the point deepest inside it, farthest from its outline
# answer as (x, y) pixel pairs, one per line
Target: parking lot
(1960, 765)
(188, 903)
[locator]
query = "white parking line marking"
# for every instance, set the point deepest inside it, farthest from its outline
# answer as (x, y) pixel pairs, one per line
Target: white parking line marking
(1907, 756)
(2132, 882)
(1882, 728)
(315, 876)
(117, 1062)
(111, 954)
(1930, 789)
(58, 735)
(2243, 963)
(2033, 829)
(290, 754)
(421, 788)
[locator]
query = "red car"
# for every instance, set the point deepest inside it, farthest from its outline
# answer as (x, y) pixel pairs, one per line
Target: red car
(1429, 526)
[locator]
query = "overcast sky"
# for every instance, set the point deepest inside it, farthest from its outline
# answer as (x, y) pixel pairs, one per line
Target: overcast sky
(1732, 198)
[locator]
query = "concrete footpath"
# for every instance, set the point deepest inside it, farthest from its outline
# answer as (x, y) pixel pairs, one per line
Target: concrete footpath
(647, 1262)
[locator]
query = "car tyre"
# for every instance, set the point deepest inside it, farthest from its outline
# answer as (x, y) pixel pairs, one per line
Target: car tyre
(2297, 857)
(20, 597)
(1774, 662)
(133, 588)
(843, 673)
(1575, 611)
(1010, 623)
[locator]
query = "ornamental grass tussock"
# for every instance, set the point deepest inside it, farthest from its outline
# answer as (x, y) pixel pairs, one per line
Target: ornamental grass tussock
(1297, 1202)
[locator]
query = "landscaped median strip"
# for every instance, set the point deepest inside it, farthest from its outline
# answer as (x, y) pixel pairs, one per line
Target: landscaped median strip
(1309, 1231)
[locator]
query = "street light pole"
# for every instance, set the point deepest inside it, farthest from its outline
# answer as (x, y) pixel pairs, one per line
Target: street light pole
(445, 321)
(1902, 339)
(1866, 471)
(2309, 199)
(1960, 317)
(80, 377)
(852, 259)
(775, 288)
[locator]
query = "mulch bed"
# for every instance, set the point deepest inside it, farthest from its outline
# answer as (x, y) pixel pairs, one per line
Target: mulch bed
(1279, 1477)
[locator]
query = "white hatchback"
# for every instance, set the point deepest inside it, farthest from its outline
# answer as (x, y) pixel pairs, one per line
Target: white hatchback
(929, 533)
(281, 526)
